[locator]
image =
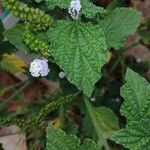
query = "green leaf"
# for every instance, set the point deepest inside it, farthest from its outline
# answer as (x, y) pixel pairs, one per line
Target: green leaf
(15, 36)
(71, 128)
(88, 8)
(80, 50)
(88, 144)
(136, 135)
(57, 139)
(145, 36)
(93, 115)
(106, 118)
(119, 24)
(87, 127)
(136, 92)
(51, 4)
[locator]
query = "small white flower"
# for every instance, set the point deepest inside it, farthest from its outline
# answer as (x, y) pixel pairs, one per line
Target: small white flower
(74, 9)
(38, 1)
(61, 75)
(138, 60)
(117, 100)
(93, 99)
(39, 68)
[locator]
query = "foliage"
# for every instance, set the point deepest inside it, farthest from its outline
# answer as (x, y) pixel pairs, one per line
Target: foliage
(5, 46)
(15, 36)
(118, 25)
(57, 139)
(106, 119)
(83, 39)
(36, 120)
(102, 126)
(88, 8)
(71, 128)
(136, 135)
(36, 43)
(37, 18)
(13, 64)
(21, 37)
(80, 48)
(70, 52)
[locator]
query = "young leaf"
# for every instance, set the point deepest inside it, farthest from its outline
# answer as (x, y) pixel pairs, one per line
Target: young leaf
(119, 24)
(136, 135)
(99, 123)
(57, 139)
(80, 50)
(12, 63)
(105, 119)
(88, 8)
(15, 36)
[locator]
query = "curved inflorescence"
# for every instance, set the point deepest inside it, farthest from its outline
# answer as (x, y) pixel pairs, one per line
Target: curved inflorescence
(36, 21)
(36, 120)
(35, 44)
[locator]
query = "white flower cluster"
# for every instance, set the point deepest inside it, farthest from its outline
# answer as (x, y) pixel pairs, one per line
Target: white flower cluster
(39, 68)
(74, 9)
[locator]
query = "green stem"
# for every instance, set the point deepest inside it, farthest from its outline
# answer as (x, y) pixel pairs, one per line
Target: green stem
(123, 65)
(102, 140)
(115, 65)
(62, 115)
(14, 95)
(10, 87)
